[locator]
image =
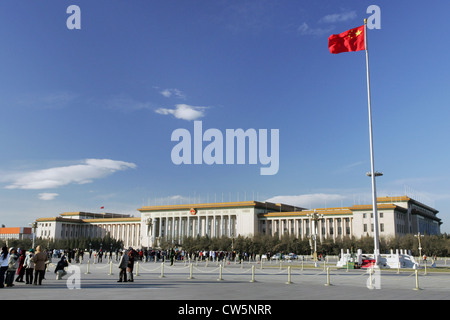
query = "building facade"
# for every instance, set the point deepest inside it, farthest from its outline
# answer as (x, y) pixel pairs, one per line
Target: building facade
(398, 216)
(70, 225)
(18, 233)
(229, 219)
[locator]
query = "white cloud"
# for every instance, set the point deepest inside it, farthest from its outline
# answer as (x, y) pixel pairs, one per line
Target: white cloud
(306, 30)
(184, 111)
(338, 17)
(48, 196)
(173, 92)
(56, 177)
(314, 200)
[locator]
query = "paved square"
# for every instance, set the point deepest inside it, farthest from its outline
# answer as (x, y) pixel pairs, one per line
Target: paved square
(247, 281)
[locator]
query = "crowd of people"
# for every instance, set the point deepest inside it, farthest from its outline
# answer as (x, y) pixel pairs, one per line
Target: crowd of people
(30, 266)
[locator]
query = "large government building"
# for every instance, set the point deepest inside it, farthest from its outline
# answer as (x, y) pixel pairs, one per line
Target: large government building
(397, 216)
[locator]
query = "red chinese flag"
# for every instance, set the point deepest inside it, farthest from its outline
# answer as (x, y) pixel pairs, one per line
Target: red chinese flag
(348, 41)
(102, 207)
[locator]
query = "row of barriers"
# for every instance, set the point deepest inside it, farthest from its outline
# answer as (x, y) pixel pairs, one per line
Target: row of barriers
(253, 271)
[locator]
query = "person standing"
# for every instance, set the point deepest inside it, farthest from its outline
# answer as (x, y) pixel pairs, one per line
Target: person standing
(29, 267)
(171, 256)
(21, 268)
(123, 263)
(131, 256)
(13, 263)
(39, 259)
(4, 257)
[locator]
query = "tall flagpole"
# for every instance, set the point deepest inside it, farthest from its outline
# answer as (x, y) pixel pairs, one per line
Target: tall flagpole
(372, 167)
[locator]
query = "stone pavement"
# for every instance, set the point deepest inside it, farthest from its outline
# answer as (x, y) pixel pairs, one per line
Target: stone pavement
(234, 282)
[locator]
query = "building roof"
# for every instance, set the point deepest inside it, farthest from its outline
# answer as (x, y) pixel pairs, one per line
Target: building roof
(104, 220)
(94, 215)
(15, 230)
(221, 205)
(379, 206)
(304, 213)
(59, 219)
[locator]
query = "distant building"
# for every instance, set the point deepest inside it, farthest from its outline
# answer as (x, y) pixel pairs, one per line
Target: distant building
(19, 233)
(398, 216)
(72, 225)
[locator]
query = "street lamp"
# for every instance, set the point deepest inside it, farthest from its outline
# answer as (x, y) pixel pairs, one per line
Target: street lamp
(149, 231)
(376, 238)
(418, 236)
(34, 226)
(377, 174)
(315, 218)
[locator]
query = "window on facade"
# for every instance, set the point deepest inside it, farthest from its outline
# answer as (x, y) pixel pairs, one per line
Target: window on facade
(381, 227)
(364, 215)
(365, 227)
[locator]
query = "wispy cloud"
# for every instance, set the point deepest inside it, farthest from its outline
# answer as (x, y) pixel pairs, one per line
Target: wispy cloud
(306, 30)
(349, 167)
(84, 172)
(127, 104)
(48, 196)
(184, 112)
(338, 17)
(173, 93)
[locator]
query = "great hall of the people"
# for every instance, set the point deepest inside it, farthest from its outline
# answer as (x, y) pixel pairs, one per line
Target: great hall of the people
(397, 216)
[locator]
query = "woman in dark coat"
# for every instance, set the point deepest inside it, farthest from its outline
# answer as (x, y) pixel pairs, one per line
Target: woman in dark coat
(21, 268)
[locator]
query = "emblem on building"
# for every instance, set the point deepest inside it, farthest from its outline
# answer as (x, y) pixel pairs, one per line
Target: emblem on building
(193, 211)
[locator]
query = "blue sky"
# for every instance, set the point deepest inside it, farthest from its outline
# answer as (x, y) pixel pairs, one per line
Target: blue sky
(86, 116)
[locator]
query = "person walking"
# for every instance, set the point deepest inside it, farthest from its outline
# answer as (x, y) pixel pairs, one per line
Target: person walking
(29, 267)
(123, 263)
(13, 263)
(39, 259)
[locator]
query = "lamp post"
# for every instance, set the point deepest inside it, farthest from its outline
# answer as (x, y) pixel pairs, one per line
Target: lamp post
(34, 226)
(376, 237)
(314, 219)
(149, 228)
(418, 235)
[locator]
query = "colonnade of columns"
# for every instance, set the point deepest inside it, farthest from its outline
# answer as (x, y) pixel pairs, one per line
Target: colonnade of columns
(329, 228)
(129, 233)
(177, 227)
